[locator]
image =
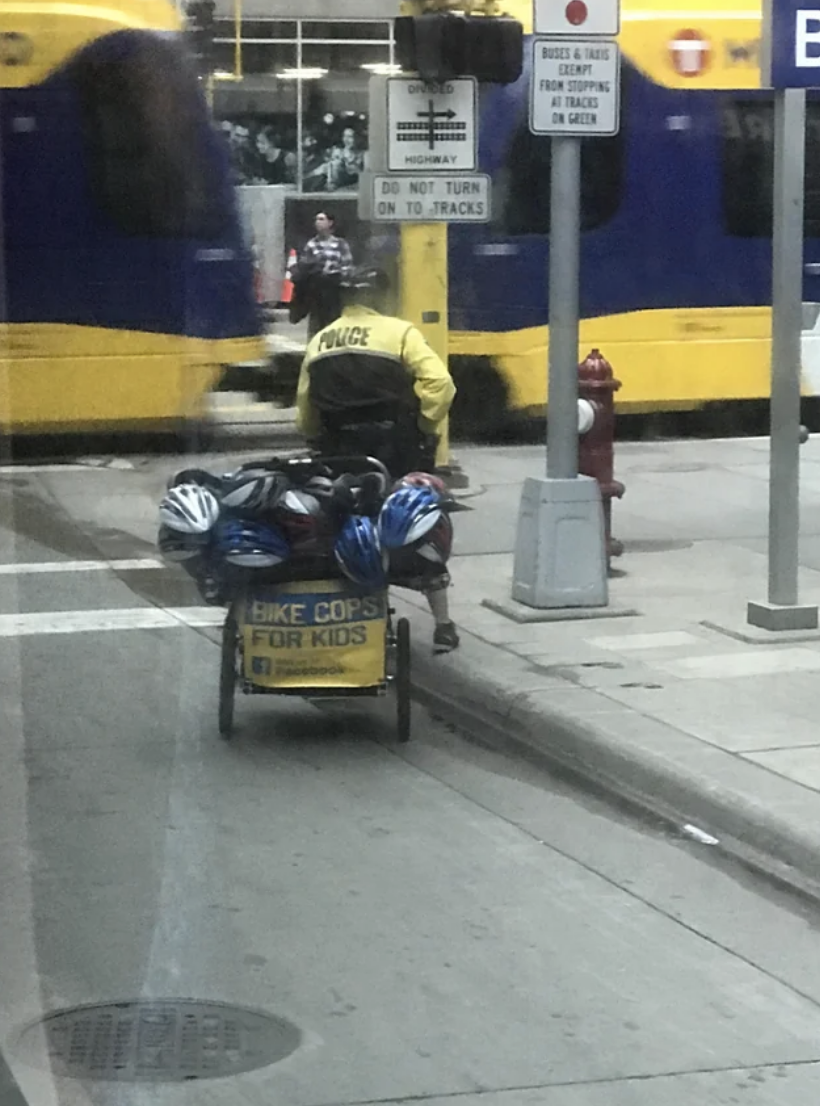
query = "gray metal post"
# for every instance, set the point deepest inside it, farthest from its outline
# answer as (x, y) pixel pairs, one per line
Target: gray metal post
(560, 546)
(782, 611)
(564, 268)
(787, 300)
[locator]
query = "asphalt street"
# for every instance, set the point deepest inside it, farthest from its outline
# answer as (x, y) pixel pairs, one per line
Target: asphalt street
(440, 923)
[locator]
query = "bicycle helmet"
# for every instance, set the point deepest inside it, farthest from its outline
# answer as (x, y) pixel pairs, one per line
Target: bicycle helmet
(177, 546)
(250, 544)
(253, 490)
(302, 519)
(359, 553)
(297, 501)
(407, 515)
(437, 545)
(320, 487)
(421, 480)
(190, 509)
(202, 477)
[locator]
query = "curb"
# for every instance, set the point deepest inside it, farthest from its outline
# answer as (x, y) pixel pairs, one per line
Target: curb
(767, 822)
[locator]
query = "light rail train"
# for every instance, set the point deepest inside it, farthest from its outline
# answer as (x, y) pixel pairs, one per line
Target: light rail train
(125, 283)
(676, 238)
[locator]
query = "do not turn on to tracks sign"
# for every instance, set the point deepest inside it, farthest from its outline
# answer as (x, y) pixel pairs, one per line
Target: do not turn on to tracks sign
(437, 198)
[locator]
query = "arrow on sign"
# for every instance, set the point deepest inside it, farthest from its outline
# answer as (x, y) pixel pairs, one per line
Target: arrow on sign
(430, 116)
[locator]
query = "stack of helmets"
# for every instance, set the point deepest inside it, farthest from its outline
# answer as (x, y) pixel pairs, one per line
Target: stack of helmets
(248, 536)
(274, 523)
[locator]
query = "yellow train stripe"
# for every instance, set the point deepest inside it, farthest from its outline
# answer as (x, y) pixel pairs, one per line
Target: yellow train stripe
(57, 377)
(675, 358)
(47, 34)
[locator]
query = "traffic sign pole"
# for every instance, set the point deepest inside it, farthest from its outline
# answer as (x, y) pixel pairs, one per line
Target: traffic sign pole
(564, 273)
(422, 273)
(790, 53)
(782, 612)
(560, 556)
(787, 299)
(424, 287)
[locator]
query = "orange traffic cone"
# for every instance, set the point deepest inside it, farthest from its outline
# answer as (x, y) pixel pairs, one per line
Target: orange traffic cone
(287, 283)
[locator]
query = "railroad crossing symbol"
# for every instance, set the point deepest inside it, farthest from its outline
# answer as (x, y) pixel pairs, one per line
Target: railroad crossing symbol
(431, 127)
(446, 130)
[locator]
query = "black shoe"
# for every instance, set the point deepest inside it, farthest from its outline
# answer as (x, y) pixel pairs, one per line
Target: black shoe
(445, 637)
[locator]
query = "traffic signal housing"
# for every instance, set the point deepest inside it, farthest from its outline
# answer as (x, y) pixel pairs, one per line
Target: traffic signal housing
(443, 45)
(200, 30)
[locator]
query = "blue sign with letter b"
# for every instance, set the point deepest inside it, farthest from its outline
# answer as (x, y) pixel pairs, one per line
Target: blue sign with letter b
(794, 43)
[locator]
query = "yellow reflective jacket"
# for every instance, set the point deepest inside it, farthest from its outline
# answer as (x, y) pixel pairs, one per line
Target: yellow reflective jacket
(364, 345)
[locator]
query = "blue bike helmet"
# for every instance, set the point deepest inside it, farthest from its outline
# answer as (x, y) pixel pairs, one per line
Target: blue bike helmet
(359, 553)
(407, 515)
(250, 544)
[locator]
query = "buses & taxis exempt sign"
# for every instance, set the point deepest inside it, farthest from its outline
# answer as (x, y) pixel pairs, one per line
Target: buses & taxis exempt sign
(575, 88)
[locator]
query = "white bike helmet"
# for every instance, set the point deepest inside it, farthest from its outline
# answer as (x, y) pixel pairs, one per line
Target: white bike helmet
(190, 509)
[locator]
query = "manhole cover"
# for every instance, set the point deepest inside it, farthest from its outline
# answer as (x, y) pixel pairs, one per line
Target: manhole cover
(161, 1041)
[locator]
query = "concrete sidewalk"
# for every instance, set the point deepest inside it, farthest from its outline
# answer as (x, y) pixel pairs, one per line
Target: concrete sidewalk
(672, 700)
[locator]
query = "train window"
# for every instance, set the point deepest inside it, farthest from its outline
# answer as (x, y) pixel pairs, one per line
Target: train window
(146, 132)
(748, 165)
(522, 196)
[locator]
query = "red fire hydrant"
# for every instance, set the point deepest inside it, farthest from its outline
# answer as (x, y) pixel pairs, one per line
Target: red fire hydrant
(596, 448)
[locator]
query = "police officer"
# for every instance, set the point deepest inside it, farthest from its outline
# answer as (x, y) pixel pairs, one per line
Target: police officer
(370, 384)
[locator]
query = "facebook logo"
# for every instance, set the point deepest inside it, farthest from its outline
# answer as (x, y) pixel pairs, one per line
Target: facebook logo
(260, 666)
(807, 40)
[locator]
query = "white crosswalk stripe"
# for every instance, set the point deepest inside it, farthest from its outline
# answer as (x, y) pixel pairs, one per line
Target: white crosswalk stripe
(99, 621)
(47, 568)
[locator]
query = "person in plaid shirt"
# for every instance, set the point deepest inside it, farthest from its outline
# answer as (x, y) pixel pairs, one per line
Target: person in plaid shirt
(324, 261)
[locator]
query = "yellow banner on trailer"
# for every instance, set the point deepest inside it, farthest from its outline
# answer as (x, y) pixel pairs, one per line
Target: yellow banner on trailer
(314, 634)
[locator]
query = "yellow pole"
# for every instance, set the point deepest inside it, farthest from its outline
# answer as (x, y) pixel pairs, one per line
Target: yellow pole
(423, 281)
(237, 23)
(423, 288)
